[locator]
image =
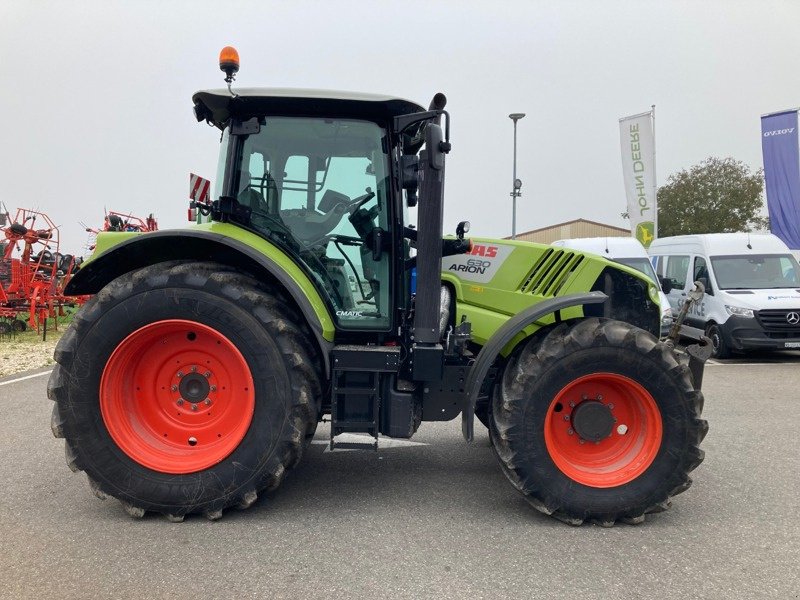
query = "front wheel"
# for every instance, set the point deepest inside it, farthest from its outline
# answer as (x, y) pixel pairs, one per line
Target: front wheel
(719, 347)
(185, 388)
(597, 421)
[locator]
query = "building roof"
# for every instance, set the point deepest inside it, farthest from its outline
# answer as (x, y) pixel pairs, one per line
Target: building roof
(574, 221)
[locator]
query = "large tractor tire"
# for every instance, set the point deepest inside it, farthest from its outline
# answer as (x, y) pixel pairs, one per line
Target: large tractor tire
(185, 388)
(597, 421)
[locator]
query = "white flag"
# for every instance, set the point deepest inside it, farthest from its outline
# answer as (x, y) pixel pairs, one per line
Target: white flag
(638, 168)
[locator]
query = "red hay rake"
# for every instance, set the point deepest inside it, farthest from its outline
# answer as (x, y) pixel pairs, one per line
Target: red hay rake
(33, 272)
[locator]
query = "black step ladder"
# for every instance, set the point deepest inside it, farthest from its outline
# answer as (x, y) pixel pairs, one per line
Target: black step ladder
(356, 391)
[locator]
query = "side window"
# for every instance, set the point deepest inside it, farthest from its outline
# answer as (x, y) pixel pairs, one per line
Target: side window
(700, 269)
(294, 192)
(658, 265)
(252, 177)
(789, 272)
(219, 181)
(677, 268)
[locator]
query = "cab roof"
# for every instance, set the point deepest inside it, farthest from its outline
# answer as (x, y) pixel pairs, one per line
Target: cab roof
(218, 106)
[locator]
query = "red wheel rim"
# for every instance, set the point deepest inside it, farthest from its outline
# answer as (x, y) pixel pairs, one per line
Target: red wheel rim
(617, 458)
(177, 396)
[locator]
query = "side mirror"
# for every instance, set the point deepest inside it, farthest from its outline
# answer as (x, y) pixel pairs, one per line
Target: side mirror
(461, 229)
(666, 284)
(409, 167)
(436, 146)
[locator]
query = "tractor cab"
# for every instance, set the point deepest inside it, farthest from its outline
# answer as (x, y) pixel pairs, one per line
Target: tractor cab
(313, 173)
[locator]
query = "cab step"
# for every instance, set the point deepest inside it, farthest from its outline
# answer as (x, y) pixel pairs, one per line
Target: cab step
(356, 391)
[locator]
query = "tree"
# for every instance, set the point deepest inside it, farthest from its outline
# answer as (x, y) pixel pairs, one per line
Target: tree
(717, 195)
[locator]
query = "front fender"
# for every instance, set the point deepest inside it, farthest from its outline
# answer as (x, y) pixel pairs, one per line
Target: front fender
(501, 338)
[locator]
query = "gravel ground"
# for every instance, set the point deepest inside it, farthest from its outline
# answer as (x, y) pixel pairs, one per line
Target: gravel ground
(26, 351)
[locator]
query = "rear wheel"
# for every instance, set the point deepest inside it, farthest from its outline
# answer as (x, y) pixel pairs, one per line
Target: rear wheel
(5, 327)
(597, 421)
(19, 325)
(185, 388)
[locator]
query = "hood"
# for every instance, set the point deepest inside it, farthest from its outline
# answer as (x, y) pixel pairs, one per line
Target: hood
(762, 299)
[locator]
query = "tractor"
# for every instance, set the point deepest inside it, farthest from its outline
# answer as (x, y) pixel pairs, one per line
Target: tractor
(196, 376)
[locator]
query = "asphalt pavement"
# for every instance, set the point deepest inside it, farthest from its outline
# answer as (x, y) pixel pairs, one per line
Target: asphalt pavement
(433, 519)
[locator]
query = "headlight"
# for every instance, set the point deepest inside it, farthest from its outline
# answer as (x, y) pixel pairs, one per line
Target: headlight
(738, 311)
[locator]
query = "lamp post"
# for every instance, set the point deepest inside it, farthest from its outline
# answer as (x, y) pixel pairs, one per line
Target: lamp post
(517, 184)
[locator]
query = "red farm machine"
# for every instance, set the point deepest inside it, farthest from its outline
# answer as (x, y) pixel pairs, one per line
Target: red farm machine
(33, 272)
(121, 222)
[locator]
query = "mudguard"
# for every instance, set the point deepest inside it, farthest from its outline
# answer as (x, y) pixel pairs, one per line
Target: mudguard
(500, 340)
(141, 250)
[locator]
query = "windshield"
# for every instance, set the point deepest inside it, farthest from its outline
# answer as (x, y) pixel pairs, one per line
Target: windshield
(640, 264)
(756, 272)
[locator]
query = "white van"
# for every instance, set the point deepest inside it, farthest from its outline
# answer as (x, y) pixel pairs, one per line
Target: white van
(752, 288)
(627, 251)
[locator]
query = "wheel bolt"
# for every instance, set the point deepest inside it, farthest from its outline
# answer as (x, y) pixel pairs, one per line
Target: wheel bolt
(610, 407)
(584, 397)
(194, 406)
(572, 405)
(599, 397)
(213, 388)
(180, 373)
(174, 388)
(581, 441)
(194, 369)
(566, 417)
(180, 402)
(207, 373)
(570, 431)
(207, 402)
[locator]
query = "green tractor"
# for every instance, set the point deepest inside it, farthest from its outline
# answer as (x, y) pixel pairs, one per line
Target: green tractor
(195, 377)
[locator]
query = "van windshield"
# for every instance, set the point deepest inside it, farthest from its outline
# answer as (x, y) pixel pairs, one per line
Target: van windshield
(640, 264)
(756, 272)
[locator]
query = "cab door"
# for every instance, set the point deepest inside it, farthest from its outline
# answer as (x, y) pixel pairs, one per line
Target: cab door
(320, 188)
(697, 315)
(676, 269)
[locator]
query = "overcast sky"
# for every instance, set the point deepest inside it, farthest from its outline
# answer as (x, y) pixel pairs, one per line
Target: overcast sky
(96, 96)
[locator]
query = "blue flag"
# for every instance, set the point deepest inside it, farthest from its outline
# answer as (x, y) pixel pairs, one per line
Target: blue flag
(779, 143)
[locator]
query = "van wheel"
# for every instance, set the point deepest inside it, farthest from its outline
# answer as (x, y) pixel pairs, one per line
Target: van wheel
(720, 347)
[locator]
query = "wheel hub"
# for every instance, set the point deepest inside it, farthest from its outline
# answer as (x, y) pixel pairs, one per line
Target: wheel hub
(592, 420)
(194, 387)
